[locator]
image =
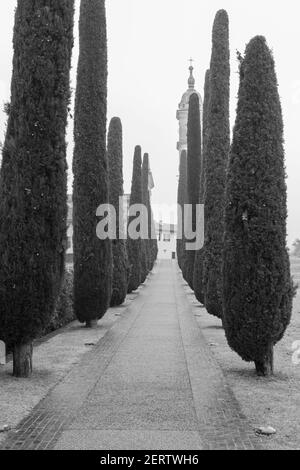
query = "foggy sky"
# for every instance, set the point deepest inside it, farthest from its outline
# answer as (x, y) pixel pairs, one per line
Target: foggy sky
(149, 44)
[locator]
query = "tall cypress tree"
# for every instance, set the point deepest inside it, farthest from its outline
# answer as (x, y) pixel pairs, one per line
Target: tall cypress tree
(146, 202)
(92, 257)
(154, 242)
(258, 289)
(144, 246)
(144, 261)
(33, 186)
(217, 152)
(135, 246)
(193, 178)
(116, 191)
(199, 257)
(181, 200)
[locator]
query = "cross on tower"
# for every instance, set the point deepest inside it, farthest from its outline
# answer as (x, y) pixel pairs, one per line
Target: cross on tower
(191, 62)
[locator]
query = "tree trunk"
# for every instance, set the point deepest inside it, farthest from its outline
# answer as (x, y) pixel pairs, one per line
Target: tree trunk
(22, 360)
(91, 324)
(265, 367)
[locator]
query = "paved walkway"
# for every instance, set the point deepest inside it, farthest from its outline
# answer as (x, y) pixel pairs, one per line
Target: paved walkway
(150, 383)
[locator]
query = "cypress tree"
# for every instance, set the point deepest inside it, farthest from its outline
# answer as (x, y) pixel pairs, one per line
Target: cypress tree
(199, 257)
(181, 200)
(258, 290)
(193, 178)
(154, 243)
(146, 202)
(92, 257)
(217, 152)
(33, 182)
(135, 246)
(144, 262)
(152, 233)
(144, 247)
(116, 191)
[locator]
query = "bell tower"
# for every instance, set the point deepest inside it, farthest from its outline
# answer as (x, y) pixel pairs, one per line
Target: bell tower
(183, 110)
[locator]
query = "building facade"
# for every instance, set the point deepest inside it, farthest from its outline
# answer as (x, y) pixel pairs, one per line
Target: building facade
(167, 237)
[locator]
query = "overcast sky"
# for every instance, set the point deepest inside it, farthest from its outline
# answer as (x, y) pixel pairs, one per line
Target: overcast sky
(149, 44)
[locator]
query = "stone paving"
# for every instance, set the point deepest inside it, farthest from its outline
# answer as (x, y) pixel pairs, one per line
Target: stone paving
(150, 383)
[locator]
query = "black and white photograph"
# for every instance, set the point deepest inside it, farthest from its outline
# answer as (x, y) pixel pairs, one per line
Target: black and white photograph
(149, 228)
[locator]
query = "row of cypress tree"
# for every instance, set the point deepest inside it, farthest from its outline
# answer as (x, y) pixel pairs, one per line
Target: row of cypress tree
(133, 259)
(142, 252)
(33, 177)
(242, 274)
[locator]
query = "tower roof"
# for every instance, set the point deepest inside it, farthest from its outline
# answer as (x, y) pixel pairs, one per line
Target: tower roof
(191, 89)
(191, 80)
(183, 109)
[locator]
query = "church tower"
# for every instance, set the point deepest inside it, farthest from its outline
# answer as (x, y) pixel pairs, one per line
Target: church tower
(183, 111)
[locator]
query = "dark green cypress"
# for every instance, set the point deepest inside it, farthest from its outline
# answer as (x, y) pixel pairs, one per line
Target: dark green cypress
(152, 232)
(199, 257)
(116, 191)
(146, 202)
(144, 247)
(218, 146)
(258, 290)
(92, 257)
(181, 200)
(134, 247)
(154, 242)
(33, 186)
(193, 178)
(144, 262)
